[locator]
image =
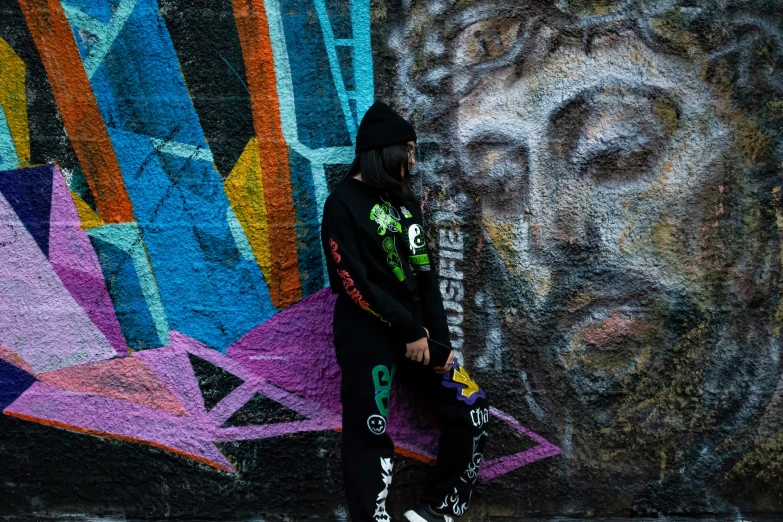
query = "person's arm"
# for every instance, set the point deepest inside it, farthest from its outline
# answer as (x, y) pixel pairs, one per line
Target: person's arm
(338, 236)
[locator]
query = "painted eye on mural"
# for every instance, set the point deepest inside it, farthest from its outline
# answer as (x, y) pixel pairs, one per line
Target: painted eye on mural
(486, 40)
(615, 135)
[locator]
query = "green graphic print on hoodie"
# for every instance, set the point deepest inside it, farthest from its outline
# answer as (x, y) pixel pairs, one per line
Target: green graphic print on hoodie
(376, 254)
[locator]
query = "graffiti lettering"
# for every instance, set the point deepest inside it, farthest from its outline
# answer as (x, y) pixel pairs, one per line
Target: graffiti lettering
(479, 417)
(451, 287)
(337, 258)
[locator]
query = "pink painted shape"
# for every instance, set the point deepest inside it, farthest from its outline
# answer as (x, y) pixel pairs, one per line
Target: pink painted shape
(266, 431)
(115, 418)
(39, 320)
(502, 465)
(192, 435)
(13, 359)
(294, 351)
(74, 260)
(172, 366)
(127, 379)
(303, 406)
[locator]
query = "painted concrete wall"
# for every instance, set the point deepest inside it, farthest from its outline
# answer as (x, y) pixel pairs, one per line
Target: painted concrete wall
(602, 184)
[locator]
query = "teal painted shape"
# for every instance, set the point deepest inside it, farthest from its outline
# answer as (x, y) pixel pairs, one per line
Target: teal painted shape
(362, 56)
(127, 237)
(105, 34)
(127, 295)
(9, 159)
(239, 235)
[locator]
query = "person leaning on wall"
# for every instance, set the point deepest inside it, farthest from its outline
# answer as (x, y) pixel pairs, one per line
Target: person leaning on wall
(389, 322)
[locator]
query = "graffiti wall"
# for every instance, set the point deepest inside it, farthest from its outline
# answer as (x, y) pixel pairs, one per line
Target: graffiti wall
(602, 186)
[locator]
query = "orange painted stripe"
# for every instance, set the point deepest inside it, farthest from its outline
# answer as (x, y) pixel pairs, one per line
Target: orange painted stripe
(104, 434)
(78, 108)
(285, 287)
(415, 456)
(407, 453)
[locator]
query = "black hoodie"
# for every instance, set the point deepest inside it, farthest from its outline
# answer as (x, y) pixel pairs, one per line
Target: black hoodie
(376, 254)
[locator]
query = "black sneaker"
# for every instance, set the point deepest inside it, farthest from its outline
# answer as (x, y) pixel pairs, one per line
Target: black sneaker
(424, 513)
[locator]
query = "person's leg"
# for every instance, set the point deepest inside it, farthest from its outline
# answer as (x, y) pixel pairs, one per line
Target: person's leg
(367, 362)
(463, 410)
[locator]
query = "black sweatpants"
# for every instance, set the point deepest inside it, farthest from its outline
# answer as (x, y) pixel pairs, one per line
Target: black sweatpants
(370, 358)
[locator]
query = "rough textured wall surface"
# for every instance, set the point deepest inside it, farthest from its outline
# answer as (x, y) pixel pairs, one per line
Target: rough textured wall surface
(602, 185)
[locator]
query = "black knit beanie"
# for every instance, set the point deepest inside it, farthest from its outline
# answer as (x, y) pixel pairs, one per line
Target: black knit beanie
(381, 126)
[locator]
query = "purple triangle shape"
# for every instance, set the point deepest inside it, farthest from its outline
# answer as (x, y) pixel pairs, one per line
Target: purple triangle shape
(29, 191)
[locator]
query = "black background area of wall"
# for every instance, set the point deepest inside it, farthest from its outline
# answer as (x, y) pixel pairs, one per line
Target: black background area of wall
(205, 39)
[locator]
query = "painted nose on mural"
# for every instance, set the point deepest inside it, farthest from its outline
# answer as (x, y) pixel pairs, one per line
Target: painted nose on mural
(500, 173)
(575, 236)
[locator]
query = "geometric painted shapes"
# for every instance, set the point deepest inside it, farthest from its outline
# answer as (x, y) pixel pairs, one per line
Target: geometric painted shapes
(210, 291)
(252, 26)
(29, 191)
(8, 158)
(39, 319)
(104, 33)
(87, 215)
(74, 260)
(501, 465)
(118, 419)
(262, 410)
(139, 88)
(131, 285)
(126, 378)
(244, 188)
(215, 382)
(294, 351)
(78, 108)
(308, 224)
(207, 47)
(323, 115)
(41, 200)
(13, 359)
(13, 382)
(13, 107)
(153, 397)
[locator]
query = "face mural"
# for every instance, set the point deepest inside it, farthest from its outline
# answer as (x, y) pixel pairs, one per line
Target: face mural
(611, 173)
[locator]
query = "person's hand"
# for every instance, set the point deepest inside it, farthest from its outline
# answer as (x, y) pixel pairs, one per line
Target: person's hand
(449, 364)
(418, 351)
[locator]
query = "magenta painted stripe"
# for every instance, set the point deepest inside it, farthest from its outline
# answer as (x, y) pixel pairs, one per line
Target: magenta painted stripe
(231, 403)
(503, 465)
(511, 421)
(275, 430)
